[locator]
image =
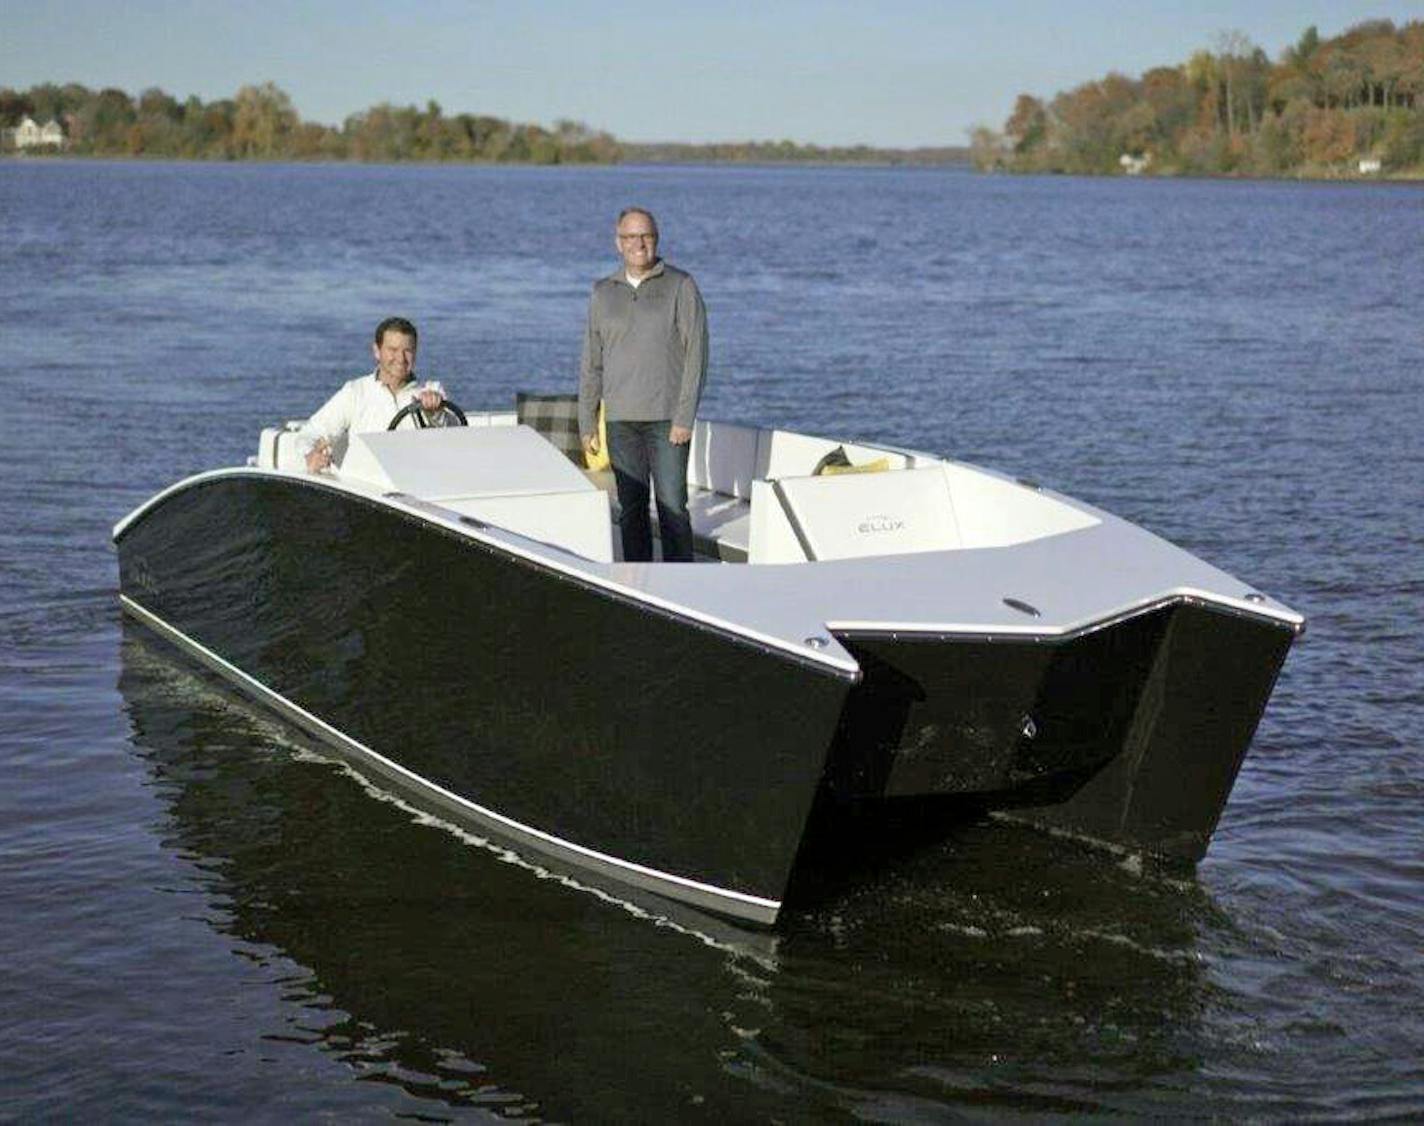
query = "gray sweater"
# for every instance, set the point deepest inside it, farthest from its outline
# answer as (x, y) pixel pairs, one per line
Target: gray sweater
(644, 350)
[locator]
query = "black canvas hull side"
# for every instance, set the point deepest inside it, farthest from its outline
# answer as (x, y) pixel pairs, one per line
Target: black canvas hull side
(655, 741)
(1132, 733)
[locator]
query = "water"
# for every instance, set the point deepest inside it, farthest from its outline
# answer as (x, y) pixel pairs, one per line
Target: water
(200, 917)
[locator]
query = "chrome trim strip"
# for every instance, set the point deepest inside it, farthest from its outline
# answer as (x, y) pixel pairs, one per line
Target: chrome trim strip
(920, 630)
(739, 904)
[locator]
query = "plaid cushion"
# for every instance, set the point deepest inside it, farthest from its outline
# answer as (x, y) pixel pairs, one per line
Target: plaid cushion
(555, 417)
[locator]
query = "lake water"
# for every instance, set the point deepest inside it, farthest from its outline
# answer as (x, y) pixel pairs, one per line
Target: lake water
(202, 918)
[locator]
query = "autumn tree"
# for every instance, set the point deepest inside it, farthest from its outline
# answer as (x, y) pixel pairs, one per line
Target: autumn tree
(1028, 124)
(262, 120)
(1323, 105)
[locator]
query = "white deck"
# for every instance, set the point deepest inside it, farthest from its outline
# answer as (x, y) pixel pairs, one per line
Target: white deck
(926, 546)
(503, 475)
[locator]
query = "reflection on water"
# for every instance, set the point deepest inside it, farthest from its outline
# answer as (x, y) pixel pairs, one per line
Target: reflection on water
(412, 972)
(999, 969)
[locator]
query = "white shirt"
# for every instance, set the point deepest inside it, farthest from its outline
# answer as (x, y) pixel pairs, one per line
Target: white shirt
(362, 404)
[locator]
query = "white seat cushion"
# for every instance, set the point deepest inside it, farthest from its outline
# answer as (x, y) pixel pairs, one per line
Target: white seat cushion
(723, 457)
(861, 514)
(720, 524)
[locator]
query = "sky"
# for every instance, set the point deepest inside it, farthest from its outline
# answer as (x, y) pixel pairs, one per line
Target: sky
(894, 73)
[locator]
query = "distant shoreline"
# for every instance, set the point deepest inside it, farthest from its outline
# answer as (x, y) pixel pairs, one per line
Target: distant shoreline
(1402, 176)
(260, 123)
(345, 162)
(1314, 176)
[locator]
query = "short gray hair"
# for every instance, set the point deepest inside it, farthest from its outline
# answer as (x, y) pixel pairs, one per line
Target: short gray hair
(637, 211)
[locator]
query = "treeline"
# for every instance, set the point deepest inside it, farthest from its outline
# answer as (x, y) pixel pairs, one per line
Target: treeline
(260, 123)
(1321, 109)
(777, 152)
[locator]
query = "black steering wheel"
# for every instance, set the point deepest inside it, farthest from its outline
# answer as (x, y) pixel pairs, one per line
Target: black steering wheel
(413, 407)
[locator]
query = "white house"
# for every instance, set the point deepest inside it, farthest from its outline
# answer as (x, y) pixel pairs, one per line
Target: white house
(1133, 164)
(30, 135)
(1369, 166)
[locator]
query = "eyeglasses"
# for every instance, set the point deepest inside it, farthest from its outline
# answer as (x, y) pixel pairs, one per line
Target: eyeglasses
(641, 236)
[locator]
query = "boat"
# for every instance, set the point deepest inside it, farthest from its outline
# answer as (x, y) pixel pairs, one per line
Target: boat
(872, 638)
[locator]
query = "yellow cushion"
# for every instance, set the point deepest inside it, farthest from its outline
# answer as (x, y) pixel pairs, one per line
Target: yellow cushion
(599, 460)
(879, 465)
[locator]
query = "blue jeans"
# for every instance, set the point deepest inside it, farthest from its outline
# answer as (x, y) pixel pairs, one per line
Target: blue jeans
(639, 451)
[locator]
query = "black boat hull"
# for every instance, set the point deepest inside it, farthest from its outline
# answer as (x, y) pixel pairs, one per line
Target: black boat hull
(594, 728)
(1130, 733)
(652, 748)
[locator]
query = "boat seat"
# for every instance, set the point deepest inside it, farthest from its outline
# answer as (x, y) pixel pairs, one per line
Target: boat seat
(723, 458)
(729, 464)
(726, 457)
(277, 448)
(508, 476)
(721, 525)
(554, 418)
(783, 453)
(851, 516)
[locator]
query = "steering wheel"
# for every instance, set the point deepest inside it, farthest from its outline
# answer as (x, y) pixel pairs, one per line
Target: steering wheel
(413, 407)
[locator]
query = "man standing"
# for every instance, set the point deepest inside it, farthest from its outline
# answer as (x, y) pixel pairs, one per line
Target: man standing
(369, 402)
(645, 356)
